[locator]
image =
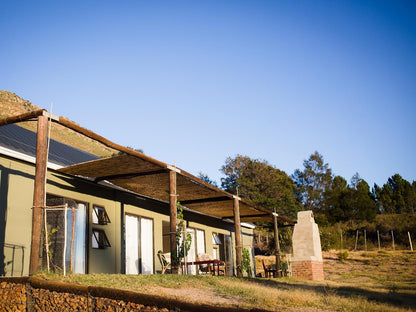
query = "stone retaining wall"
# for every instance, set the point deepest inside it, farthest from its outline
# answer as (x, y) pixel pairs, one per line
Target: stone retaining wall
(19, 295)
(12, 297)
(38, 294)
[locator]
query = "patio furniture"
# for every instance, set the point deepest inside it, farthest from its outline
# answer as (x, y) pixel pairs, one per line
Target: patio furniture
(222, 268)
(204, 268)
(164, 259)
(268, 270)
(215, 264)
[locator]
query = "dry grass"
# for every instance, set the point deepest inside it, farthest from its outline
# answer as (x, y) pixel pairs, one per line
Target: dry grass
(368, 281)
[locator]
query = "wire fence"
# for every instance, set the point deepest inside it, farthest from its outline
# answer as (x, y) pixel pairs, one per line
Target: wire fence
(364, 240)
(339, 239)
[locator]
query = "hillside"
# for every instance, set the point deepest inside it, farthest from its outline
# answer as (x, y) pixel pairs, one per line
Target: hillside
(12, 105)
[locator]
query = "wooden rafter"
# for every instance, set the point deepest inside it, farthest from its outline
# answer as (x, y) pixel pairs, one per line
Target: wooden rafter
(130, 175)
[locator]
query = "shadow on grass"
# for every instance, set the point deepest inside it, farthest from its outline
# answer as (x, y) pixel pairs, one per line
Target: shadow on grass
(393, 297)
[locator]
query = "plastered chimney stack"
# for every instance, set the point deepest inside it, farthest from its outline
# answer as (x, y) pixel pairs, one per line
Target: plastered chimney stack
(307, 254)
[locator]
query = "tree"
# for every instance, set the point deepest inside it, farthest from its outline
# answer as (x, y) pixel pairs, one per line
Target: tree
(337, 201)
(313, 181)
(396, 196)
(355, 180)
(261, 183)
(363, 202)
(206, 178)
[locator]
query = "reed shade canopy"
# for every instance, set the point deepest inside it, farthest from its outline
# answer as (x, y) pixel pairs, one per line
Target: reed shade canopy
(147, 176)
(142, 176)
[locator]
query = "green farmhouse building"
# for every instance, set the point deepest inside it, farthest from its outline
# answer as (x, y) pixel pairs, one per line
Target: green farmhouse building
(108, 215)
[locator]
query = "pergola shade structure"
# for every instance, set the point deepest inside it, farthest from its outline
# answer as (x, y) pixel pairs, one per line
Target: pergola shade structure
(152, 179)
(139, 173)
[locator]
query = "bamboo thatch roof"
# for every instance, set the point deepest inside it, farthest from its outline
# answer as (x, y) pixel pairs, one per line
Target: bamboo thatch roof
(152, 179)
(145, 175)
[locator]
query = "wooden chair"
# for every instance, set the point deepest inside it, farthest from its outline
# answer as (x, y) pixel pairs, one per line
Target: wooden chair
(223, 268)
(164, 259)
(269, 270)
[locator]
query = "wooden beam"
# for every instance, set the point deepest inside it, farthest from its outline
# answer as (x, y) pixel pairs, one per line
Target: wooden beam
(205, 200)
(77, 128)
(130, 175)
(22, 117)
(249, 216)
(238, 245)
(173, 218)
(67, 123)
(39, 194)
(276, 239)
(207, 185)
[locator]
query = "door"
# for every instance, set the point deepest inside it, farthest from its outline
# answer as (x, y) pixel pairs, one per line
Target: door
(228, 255)
(78, 262)
(191, 257)
(132, 244)
(139, 245)
(146, 249)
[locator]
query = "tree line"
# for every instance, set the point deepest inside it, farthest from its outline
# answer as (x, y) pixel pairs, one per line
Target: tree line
(314, 187)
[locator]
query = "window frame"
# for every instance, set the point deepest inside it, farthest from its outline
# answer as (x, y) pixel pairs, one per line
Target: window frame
(102, 239)
(102, 218)
(216, 241)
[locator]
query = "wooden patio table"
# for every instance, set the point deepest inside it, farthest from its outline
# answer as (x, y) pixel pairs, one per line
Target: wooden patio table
(215, 263)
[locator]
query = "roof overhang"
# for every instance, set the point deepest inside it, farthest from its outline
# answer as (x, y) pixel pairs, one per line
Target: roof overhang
(144, 175)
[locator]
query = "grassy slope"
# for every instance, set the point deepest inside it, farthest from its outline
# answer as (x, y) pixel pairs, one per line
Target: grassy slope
(366, 281)
(13, 105)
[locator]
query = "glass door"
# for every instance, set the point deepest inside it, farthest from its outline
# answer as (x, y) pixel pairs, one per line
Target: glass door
(132, 244)
(146, 249)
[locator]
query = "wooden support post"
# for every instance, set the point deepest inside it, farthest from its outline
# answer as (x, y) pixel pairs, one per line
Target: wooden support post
(392, 239)
(378, 239)
(356, 241)
(410, 241)
(276, 239)
(237, 228)
(65, 238)
(173, 220)
(46, 241)
(72, 238)
(39, 195)
(365, 240)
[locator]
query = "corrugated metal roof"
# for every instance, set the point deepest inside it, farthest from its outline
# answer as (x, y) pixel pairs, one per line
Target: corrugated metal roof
(23, 141)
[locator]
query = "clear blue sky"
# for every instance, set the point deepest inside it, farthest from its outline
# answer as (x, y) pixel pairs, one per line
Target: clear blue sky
(193, 82)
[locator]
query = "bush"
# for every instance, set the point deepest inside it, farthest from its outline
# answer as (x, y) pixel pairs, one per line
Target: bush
(246, 266)
(342, 255)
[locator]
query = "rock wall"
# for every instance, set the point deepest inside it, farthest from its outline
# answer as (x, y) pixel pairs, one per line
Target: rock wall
(38, 294)
(12, 297)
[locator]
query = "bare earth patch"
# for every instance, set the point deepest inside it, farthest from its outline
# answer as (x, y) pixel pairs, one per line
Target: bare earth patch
(191, 294)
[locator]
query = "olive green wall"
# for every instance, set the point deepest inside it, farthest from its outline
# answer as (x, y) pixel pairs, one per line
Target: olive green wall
(16, 199)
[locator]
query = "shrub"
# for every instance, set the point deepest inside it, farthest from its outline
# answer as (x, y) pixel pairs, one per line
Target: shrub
(246, 266)
(342, 255)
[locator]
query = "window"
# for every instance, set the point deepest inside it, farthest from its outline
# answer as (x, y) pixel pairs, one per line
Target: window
(99, 215)
(216, 242)
(76, 212)
(216, 239)
(99, 239)
(197, 247)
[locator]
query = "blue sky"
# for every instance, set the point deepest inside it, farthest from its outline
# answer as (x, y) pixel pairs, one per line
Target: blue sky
(193, 82)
